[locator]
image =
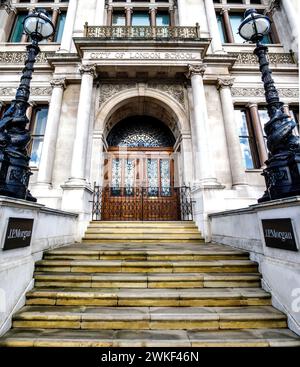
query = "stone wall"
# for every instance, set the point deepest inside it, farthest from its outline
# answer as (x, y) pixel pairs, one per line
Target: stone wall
(52, 228)
(280, 269)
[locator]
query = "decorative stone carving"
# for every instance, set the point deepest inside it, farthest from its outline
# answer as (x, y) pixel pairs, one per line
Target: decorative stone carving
(58, 83)
(224, 83)
(6, 5)
(108, 90)
(15, 57)
(36, 91)
(260, 92)
(198, 69)
(251, 59)
(174, 90)
(89, 69)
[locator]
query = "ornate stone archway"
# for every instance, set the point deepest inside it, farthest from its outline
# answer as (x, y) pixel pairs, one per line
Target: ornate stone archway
(167, 105)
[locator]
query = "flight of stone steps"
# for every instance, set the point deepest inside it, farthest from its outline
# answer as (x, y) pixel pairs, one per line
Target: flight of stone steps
(147, 284)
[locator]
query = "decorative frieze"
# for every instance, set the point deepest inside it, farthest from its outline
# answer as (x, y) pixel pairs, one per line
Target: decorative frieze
(18, 57)
(34, 91)
(249, 58)
(260, 92)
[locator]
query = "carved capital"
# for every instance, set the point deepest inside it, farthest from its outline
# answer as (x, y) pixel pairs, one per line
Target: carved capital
(58, 83)
(224, 83)
(88, 69)
(196, 70)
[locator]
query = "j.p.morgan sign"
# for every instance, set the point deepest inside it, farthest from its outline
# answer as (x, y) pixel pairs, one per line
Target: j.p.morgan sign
(18, 234)
(279, 234)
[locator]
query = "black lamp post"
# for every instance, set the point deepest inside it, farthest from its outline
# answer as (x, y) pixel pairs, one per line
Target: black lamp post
(14, 137)
(282, 173)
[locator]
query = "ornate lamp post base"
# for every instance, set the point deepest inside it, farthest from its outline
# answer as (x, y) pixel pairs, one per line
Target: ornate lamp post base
(282, 177)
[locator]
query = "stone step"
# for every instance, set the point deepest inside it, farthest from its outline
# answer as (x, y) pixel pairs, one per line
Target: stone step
(149, 318)
(145, 224)
(142, 241)
(147, 230)
(144, 280)
(127, 266)
(149, 297)
(142, 255)
(150, 338)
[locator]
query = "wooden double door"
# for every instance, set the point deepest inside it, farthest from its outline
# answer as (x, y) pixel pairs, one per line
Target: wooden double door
(139, 185)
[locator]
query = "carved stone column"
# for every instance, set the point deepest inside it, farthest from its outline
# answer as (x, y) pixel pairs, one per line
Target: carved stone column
(128, 11)
(292, 17)
(51, 132)
(233, 144)
(216, 42)
(152, 12)
(54, 19)
(227, 25)
(88, 73)
(77, 193)
(205, 174)
(109, 15)
(172, 16)
(258, 131)
(66, 42)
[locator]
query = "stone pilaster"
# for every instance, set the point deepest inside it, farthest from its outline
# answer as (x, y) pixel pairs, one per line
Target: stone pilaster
(205, 173)
(233, 144)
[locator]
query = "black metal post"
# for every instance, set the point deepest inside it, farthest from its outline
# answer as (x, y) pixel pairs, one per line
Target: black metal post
(14, 136)
(282, 174)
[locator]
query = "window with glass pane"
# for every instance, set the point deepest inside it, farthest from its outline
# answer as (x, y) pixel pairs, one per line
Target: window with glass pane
(245, 139)
(60, 27)
(118, 19)
(17, 31)
(129, 177)
(140, 19)
(165, 181)
(152, 173)
(38, 132)
(235, 21)
(162, 19)
(116, 177)
(221, 28)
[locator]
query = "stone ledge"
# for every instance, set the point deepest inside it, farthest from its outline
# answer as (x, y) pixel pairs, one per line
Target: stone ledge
(280, 203)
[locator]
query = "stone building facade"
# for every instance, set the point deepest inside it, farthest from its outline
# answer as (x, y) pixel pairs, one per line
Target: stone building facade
(173, 65)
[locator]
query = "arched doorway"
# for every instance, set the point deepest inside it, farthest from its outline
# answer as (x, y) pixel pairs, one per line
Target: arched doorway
(139, 171)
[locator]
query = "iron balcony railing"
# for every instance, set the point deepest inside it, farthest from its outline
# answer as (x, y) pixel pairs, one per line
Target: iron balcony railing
(142, 203)
(142, 32)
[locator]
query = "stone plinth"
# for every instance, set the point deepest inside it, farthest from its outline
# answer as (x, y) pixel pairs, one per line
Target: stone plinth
(51, 229)
(242, 228)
